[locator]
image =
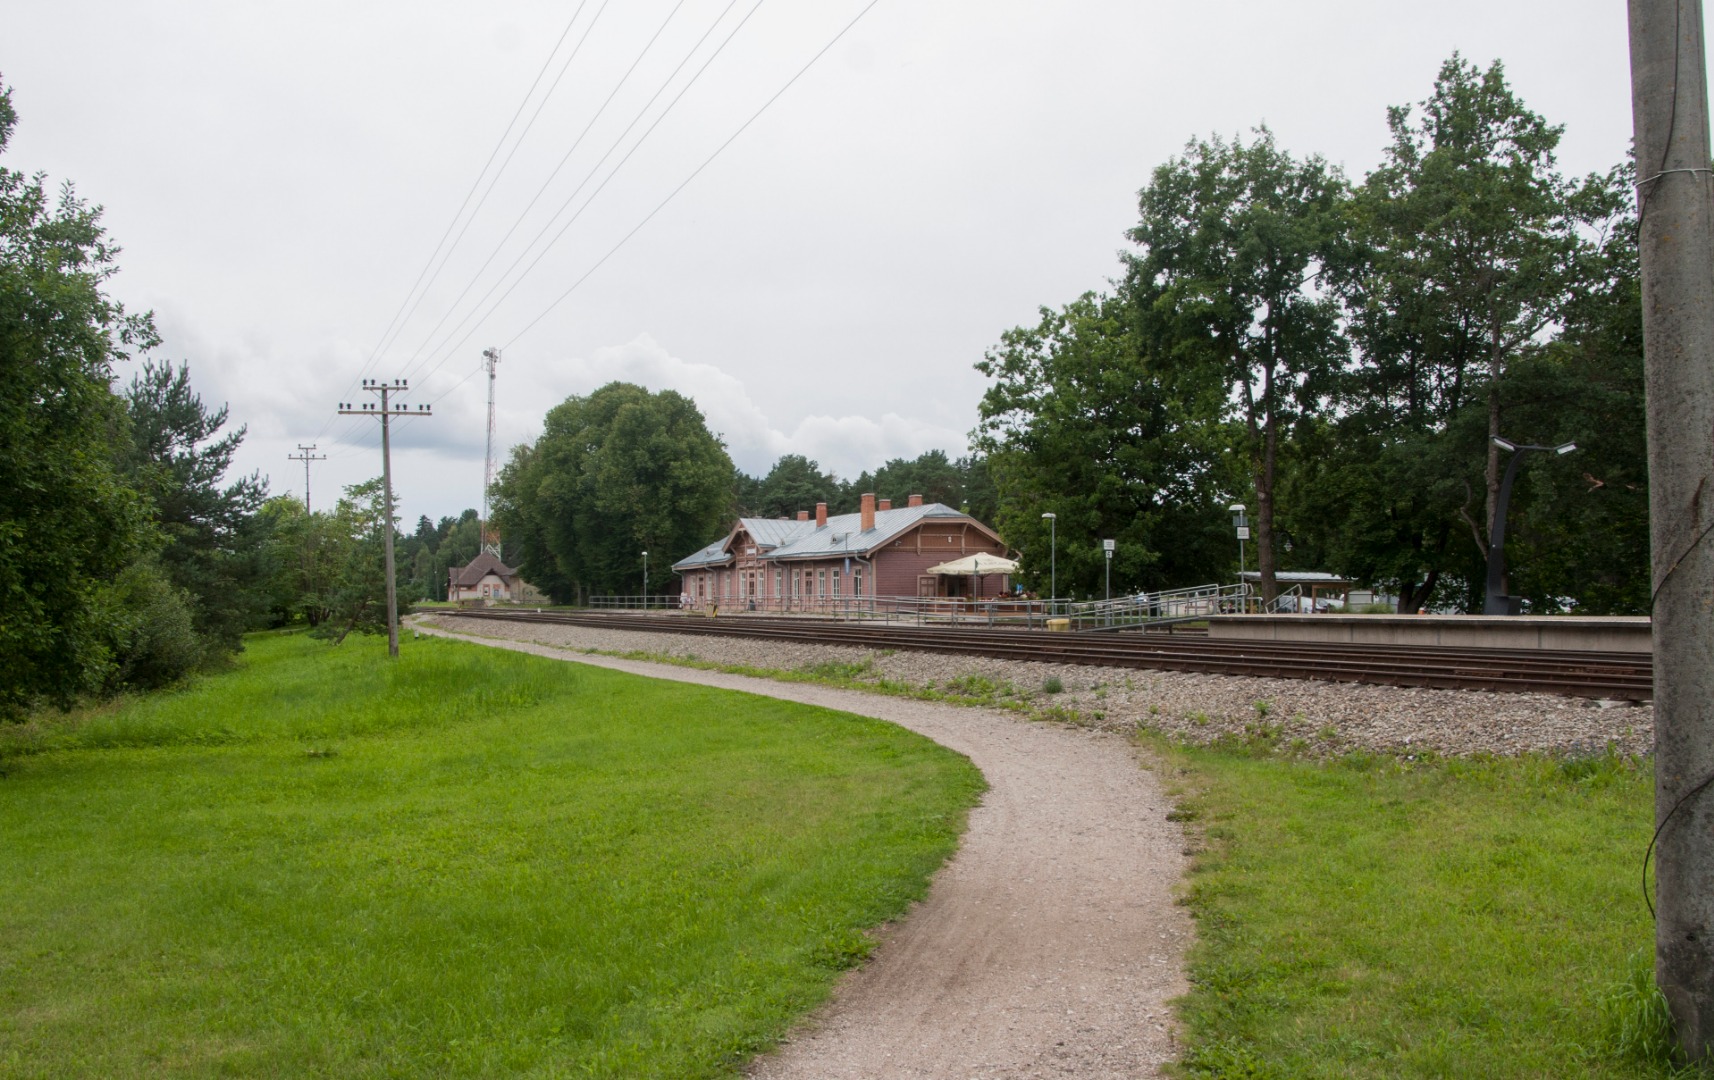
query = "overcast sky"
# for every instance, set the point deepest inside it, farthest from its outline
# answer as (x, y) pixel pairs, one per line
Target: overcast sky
(279, 175)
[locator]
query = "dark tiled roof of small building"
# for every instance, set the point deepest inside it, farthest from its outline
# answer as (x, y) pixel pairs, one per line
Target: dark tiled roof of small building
(480, 567)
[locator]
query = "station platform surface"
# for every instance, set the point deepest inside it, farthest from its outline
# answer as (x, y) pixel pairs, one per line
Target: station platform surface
(1607, 633)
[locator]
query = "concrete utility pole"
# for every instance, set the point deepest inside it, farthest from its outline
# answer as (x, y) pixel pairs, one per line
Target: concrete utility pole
(306, 455)
(386, 412)
(1675, 205)
(489, 539)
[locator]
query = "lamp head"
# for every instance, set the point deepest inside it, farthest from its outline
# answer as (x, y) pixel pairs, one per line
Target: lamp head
(1504, 444)
(1565, 448)
(1049, 516)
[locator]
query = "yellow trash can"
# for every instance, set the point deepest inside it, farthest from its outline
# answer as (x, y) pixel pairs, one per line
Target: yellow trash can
(1059, 624)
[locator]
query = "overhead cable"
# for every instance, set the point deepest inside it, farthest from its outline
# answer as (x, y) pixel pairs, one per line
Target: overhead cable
(500, 245)
(589, 175)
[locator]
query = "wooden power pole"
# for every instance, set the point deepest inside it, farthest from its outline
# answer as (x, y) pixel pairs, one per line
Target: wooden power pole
(306, 454)
(389, 409)
(1675, 207)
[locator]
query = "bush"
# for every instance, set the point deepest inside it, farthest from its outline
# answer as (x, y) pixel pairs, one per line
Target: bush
(157, 643)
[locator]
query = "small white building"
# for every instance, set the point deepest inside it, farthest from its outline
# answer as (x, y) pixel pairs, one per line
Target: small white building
(486, 580)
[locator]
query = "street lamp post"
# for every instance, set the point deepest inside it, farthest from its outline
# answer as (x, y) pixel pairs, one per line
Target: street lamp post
(1052, 520)
(1496, 602)
(645, 581)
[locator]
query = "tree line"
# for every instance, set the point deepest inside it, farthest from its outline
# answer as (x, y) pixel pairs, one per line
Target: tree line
(128, 558)
(1339, 356)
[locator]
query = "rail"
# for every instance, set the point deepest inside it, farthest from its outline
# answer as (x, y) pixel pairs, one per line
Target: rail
(1573, 673)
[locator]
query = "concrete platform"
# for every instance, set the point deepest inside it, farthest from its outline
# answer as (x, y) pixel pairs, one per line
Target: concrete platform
(1613, 633)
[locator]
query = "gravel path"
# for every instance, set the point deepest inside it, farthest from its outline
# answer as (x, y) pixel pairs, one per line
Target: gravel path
(1314, 718)
(1048, 947)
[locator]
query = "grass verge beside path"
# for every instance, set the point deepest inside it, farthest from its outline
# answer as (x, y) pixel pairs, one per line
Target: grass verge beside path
(1381, 918)
(470, 862)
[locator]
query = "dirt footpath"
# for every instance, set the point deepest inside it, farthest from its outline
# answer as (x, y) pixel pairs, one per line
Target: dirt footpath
(1048, 947)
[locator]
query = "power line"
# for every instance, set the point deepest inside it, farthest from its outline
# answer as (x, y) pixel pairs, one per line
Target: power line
(509, 154)
(577, 142)
(671, 195)
(593, 169)
(661, 205)
(474, 184)
(592, 196)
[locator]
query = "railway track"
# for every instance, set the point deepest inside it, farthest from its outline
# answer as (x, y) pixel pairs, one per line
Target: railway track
(1625, 676)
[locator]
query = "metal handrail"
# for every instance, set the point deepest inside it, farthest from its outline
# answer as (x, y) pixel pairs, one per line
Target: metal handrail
(1145, 608)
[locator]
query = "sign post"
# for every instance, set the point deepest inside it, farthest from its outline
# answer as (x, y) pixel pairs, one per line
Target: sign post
(1107, 546)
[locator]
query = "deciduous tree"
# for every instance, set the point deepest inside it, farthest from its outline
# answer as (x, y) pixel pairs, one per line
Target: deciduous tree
(614, 474)
(69, 525)
(1233, 240)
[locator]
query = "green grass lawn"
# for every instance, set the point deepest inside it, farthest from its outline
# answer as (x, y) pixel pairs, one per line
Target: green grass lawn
(468, 862)
(1378, 918)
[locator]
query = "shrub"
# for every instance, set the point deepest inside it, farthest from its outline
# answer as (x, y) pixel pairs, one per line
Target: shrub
(156, 642)
(1052, 685)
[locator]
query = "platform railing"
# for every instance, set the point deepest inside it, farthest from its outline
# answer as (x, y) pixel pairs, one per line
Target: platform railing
(1134, 611)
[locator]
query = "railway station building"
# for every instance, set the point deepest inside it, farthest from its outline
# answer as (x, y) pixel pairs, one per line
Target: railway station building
(485, 580)
(825, 563)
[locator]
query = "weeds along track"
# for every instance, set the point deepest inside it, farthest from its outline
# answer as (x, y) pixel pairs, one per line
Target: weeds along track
(1624, 676)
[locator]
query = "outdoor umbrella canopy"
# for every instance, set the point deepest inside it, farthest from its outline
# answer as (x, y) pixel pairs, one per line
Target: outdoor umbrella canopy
(975, 564)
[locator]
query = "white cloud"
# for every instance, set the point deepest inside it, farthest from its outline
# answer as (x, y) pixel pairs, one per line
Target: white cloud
(847, 445)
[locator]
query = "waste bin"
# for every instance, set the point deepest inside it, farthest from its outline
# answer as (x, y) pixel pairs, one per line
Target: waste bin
(1059, 624)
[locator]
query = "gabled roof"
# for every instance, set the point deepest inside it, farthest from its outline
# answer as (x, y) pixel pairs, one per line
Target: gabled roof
(767, 533)
(773, 532)
(841, 535)
(714, 554)
(781, 538)
(480, 567)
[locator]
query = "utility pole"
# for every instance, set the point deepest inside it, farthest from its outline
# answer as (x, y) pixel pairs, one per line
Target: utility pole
(306, 454)
(386, 412)
(1675, 208)
(489, 539)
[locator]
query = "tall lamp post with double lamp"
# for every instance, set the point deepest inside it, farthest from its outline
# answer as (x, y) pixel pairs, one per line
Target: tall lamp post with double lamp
(1052, 520)
(1496, 602)
(645, 581)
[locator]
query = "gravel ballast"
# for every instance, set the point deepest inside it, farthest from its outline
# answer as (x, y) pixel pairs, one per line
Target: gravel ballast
(1315, 718)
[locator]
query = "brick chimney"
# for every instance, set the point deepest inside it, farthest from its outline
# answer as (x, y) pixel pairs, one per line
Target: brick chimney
(916, 500)
(866, 518)
(803, 515)
(886, 504)
(821, 515)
